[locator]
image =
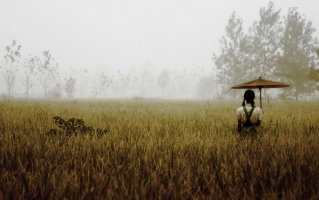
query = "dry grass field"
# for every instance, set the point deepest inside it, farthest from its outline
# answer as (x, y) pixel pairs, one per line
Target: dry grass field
(158, 150)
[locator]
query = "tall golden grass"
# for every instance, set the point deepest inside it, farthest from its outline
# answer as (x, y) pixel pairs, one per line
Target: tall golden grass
(158, 150)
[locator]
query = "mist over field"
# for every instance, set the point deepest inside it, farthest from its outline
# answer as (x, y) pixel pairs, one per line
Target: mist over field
(133, 100)
(157, 50)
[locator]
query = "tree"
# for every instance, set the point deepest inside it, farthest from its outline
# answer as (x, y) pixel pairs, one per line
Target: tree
(265, 35)
(146, 80)
(69, 87)
(183, 80)
(29, 70)
(94, 88)
(106, 82)
(188, 82)
(234, 58)
(56, 91)
(163, 80)
(82, 75)
(314, 75)
(124, 83)
(298, 58)
(11, 60)
(314, 72)
(47, 72)
(207, 88)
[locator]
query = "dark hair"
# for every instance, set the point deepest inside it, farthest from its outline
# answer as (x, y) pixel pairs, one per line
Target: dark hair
(249, 96)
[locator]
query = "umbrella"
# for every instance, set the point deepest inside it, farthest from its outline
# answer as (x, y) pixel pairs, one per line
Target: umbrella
(260, 83)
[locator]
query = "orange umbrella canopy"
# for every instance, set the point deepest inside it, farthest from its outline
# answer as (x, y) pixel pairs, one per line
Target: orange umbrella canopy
(260, 83)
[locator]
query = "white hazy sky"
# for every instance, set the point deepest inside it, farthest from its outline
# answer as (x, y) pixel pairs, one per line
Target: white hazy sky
(118, 34)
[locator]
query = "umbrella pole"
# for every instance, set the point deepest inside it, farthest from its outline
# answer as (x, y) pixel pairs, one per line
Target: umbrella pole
(261, 105)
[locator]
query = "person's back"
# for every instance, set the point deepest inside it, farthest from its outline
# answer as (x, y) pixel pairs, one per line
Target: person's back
(249, 116)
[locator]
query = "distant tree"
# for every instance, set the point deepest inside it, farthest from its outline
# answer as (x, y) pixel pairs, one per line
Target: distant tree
(55, 92)
(207, 88)
(314, 72)
(163, 80)
(143, 83)
(82, 76)
(298, 58)
(124, 81)
(69, 87)
(47, 72)
(173, 87)
(29, 65)
(233, 62)
(106, 82)
(11, 65)
(314, 76)
(95, 90)
(186, 81)
(265, 35)
(146, 81)
(182, 82)
(136, 85)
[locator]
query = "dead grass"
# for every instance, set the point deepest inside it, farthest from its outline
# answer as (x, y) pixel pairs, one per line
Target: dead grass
(158, 150)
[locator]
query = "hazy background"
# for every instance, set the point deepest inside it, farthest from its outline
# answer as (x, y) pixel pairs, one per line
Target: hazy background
(127, 38)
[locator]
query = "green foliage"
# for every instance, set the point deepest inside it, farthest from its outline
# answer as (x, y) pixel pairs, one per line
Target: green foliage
(314, 75)
(272, 50)
(158, 150)
(265, 35)
(233, 59)
(298, 57)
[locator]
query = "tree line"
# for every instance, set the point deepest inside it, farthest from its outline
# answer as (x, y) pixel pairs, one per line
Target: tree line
(275, 48)
(30, 71)
(25, 76)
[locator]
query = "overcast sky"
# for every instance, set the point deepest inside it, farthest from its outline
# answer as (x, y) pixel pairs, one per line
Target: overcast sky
(122, 34)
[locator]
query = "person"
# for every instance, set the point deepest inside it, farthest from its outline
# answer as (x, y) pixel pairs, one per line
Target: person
(249, 116)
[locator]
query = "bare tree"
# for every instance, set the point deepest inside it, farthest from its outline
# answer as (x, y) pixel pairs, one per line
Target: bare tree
(163, 80)
(124, 83)
(145, 83)
(29, 70)
(11, 60)
(83, 76)
(47, 72)
(207, 87)
(56, 91)
(94, 89)
(69, 87)
(106, 82)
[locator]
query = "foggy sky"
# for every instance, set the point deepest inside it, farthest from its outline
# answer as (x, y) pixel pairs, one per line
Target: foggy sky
(123, 35)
